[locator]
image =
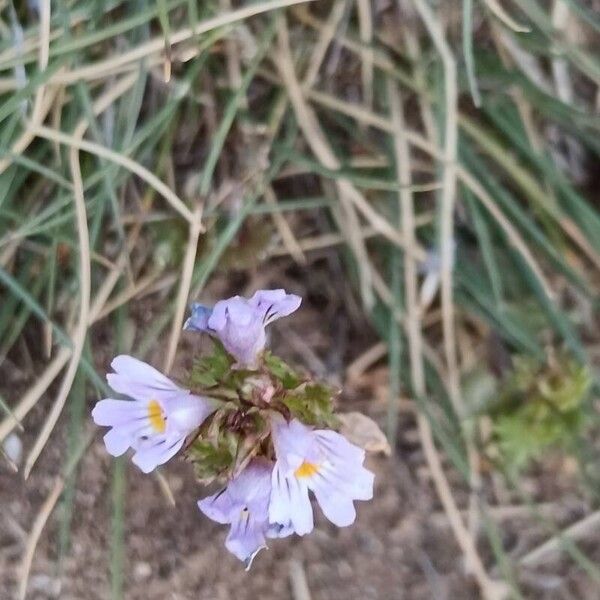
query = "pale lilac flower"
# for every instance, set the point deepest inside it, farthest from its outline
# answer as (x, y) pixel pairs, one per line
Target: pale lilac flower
(239, 323)
(244, 504)
(158, 419)
(322, 461)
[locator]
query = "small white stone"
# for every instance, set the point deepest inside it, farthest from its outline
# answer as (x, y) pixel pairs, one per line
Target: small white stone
(141, 571)
(13, 447)
(49, 586)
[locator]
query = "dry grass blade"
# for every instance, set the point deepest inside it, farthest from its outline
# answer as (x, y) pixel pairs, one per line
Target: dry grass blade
(285, 231)
(34, 393)
(365, 25)
(187, 271)
(447, 198)
(35, 533)
(325, 38)
(447, 201)
(42, 518)
(583, 529)
(417, 140)
(79, 335)
(364, 361)
(22, 142)
(234, 67)
(560, 66)
(298, 581)
(165, 488)
(490, 589)
(320, 242)
(133, 291)
(124, 161)
(38, 105)
(498, 10)
(314, 136)
(509, 229)
(402, 153)
(156, 46)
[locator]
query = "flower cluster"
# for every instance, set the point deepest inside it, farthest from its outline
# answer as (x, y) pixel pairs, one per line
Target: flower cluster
(246, 419)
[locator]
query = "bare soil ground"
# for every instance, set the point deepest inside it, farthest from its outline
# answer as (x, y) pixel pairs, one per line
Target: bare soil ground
(401, 546)
(174, 552)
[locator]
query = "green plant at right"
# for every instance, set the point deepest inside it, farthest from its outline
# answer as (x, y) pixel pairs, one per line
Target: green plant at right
(541, 406)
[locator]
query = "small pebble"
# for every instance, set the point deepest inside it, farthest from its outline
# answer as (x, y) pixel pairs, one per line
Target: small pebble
(141, 571)
(13, 447)
(45, 584)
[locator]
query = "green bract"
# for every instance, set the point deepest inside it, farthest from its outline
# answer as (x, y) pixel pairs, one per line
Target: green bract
(238, 430)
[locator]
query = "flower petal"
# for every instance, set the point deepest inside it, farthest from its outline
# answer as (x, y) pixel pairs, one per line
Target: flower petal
(249, 491)
(290, 502)
(329, 465)
(186, 412)
(116, 442)
(218, 507)
(198, 320)
(279, 530)
(246, 538)
(344, 465)
(338, 447)
(139, 380)
(239, 323)
(148, 458)
(292, 441)
(338, 508)
(235, 310)
(115, 412)
(352, 481)
(252, 486)
(240, 329)
(275, 304)
(362, 486)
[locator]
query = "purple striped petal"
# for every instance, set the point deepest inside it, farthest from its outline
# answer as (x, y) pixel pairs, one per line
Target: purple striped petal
(239, 323)
(243, 504)
(290, 502)
(275, 304)
(154, 424)
(323, 462)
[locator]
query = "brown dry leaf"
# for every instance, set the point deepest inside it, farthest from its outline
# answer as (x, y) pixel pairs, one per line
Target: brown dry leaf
(364, 432)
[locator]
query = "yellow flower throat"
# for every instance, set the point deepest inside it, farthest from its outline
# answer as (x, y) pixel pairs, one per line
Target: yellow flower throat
(156, 417)
(306, 469)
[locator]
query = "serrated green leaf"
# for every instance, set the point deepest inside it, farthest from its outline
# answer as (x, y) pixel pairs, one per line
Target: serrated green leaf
(312, 403)
(210, 371)
(279, 369)
(212, 460)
